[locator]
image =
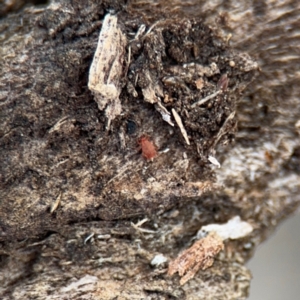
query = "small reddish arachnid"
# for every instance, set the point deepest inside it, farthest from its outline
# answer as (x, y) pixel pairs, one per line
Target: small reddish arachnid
(149, 150)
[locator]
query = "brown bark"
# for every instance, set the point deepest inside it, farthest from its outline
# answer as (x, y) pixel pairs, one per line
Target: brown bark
(73, 189)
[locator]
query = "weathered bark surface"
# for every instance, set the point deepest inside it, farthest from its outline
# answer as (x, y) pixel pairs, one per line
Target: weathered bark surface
(56, 149)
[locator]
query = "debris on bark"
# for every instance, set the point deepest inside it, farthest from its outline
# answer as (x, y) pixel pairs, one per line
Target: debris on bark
(79, 199)
(233, 229)
(199, 256)
(180, 125)
(106, 70)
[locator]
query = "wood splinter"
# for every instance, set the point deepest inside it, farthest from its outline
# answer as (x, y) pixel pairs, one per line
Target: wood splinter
(202, 101)
(199, 256)
(180, 125)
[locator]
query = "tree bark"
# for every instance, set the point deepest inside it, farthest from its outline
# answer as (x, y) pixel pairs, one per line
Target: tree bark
(94, 187)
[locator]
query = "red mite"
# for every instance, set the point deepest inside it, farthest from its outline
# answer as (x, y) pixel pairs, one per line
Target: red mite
(149, 150)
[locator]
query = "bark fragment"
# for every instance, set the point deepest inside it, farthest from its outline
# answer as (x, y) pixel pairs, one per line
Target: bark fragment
(105, 76)
(199, 256)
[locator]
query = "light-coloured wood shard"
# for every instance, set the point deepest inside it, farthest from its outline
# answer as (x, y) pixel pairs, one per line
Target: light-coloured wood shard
(180, 125)
(214, 161)
(55, 204)
(106, 70)
(204, 100)
(199, 256)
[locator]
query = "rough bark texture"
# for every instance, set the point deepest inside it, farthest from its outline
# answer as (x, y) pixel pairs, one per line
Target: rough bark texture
(73, 191)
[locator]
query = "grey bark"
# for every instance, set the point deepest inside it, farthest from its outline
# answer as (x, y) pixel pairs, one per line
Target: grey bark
(64, 177)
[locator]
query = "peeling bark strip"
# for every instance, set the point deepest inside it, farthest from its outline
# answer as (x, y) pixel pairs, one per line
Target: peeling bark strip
(107, 67)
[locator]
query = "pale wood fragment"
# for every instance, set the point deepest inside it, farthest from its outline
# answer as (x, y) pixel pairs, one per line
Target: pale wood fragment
(107, 67)
(199, 256)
